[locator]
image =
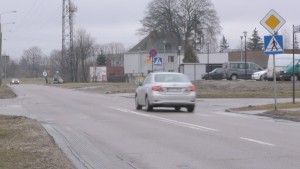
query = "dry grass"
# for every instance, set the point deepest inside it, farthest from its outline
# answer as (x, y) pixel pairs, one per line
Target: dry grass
(26, 144)
(5, 92)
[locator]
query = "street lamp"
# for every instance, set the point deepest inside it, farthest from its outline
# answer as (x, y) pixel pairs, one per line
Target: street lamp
(164, 42)
(1, 44)
(179, 59)
(208, 66)
(245, 35)
(241, 48)
(5, 58)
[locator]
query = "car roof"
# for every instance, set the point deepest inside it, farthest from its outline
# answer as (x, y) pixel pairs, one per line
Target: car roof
(154, 73)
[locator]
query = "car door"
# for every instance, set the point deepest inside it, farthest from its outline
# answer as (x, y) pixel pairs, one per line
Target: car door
(242, 71)
(143, 90)
(219, 73)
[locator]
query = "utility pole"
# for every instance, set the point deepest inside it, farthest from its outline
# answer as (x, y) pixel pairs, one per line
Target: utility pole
(68, 14)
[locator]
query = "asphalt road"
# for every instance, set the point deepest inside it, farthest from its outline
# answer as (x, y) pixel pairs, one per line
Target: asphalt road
(106, 132)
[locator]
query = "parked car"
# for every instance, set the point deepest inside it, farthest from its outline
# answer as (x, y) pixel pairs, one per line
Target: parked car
(166, 89)
(57, 80)
(14, 81)
(260, 75)
(216, 74)
(291, 71)
(239, 70)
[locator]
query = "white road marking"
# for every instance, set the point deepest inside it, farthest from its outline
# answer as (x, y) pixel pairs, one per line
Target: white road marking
(256, 141)
(183, 124)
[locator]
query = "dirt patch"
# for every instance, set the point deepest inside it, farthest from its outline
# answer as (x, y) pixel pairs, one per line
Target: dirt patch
(26, 144)
(6, 93)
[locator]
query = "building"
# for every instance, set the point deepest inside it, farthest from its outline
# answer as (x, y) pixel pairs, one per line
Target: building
(137, 60)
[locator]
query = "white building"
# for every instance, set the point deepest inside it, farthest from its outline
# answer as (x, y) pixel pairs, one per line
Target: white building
(138, 62)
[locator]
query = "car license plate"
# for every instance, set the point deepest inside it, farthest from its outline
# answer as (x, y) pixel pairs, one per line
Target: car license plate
(175, 90)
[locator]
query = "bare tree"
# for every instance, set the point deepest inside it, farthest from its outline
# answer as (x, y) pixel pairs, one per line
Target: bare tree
(84, 48)
(114, 52)
(60, 64)
(31, 62)
(190, 20)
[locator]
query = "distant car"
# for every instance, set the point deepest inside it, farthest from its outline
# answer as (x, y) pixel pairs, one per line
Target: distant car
(57, 80)
(166, 89)
(260, 75)
(14, 81)
(216, 74)
(239, 70)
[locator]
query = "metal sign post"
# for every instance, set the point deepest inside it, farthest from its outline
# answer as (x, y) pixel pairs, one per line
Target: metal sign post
(275, 83)
(153, 53)
(273, 44)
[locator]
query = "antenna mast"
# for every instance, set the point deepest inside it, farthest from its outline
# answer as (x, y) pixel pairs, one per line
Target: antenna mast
(68, 15)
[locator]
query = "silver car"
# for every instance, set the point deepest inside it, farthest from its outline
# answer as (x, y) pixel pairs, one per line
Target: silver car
(166, 89)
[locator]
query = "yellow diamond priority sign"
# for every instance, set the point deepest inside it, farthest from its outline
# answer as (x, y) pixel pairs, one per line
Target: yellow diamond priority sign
(272, 22)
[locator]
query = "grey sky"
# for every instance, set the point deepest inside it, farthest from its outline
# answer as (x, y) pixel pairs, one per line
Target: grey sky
(38, 22)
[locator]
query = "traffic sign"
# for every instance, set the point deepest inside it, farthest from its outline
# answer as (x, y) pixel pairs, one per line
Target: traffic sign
(158, 61)
(273, 44)
(153, 53)
(272, 22)
(45, 74)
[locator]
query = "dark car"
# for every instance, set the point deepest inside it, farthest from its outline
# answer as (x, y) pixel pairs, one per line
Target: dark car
(216, 74)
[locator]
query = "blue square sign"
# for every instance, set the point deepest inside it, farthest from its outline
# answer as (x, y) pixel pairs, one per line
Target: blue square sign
(158, 61)
(273, 44)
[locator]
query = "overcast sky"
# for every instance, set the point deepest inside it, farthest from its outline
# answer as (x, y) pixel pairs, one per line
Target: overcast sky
(38, 22)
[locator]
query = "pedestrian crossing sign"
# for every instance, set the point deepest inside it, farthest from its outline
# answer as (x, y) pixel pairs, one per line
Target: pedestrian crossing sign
(273, 44)
(158, 61)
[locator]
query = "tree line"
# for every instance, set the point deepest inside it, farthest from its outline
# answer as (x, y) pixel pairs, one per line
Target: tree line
(86, 54)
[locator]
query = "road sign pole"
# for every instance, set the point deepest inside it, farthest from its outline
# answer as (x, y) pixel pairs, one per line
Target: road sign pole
(293, 64)
(275, 87)
(152, 63)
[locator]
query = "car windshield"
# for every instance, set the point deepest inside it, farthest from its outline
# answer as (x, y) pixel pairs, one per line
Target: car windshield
(291, 63)
(164, 78)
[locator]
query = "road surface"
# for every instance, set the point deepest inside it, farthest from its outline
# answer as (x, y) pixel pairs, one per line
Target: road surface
(105, 132)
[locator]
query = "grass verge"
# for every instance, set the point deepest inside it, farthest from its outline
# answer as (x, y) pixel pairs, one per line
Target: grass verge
(26, 144)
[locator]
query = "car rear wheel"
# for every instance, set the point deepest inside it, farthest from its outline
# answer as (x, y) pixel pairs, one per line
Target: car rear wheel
(148, 106)
(234, 77)
(137, 105)
(177, 108)
(191, 108)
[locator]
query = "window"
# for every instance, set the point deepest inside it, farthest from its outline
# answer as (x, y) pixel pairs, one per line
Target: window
(255, 67)
(171, 59)
(234, 65)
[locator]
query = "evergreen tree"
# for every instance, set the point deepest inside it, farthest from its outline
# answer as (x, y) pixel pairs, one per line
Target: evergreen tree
(101, 59)
(296, 42)
(189, 55)
(223, 44)
(255, 43)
